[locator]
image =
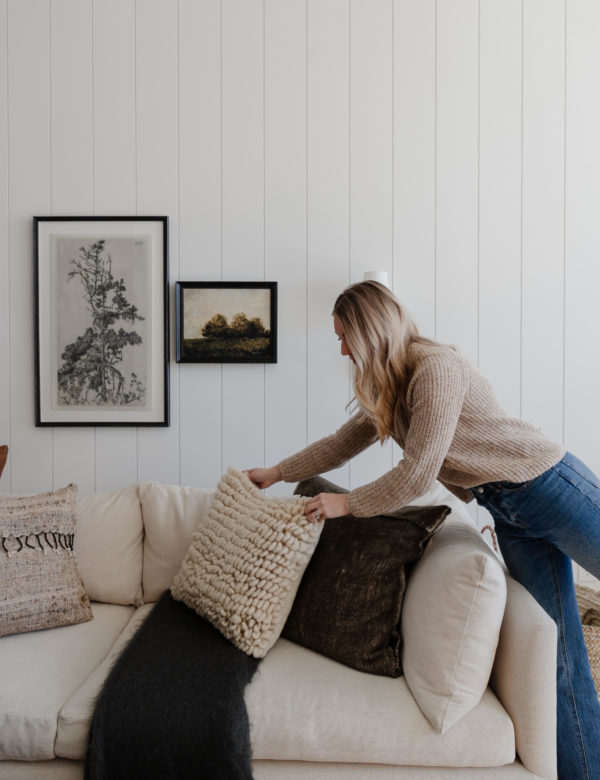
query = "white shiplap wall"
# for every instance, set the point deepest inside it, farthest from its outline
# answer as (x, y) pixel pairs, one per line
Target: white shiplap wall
(451, 143)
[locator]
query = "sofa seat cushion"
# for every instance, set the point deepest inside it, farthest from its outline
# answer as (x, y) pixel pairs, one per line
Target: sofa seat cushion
(306, 707)
(75, 717)
(41, 670)
(302, 707)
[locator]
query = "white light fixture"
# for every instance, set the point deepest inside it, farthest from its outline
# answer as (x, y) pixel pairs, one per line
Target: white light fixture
(376, 276)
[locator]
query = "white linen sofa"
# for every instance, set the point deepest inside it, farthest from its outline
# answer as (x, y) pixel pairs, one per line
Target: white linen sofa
(311, 717)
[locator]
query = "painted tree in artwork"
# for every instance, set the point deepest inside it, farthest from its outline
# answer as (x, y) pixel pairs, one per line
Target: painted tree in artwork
(91, 369)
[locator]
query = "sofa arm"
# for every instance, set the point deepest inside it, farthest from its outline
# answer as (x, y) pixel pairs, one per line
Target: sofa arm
(524, 679)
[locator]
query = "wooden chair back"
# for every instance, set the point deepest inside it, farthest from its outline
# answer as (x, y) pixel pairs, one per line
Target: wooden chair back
(3, 457)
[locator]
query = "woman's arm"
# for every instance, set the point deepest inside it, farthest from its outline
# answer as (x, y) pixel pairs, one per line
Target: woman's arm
(325, 454)
(264, 478)
(437, 393)
(317, 508)
(332, 451)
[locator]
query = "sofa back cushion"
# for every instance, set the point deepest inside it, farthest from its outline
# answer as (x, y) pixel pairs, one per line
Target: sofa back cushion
(108, 544)
(451, 620)
(171, 515)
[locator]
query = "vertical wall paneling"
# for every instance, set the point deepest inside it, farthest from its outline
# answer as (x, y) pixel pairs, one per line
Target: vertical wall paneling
(371, 168)
(285, 224)
(328, 266)
(243, 214)
(414, 158)
(71, 106)
(457, 153)
(582, 276)
(157, 133)
(114, 183)
(414, 124)
(4, 247)
(30, 187)
(200, 224)
(499, 302)
(582, 239)
(500, 201)
(71, 133)
(305, 141)
(371, 174)
(543, 213)
(114, 92)
(457, 174)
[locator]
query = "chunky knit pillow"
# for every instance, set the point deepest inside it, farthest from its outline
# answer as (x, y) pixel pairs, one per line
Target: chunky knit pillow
(245, 563)
(40, 586)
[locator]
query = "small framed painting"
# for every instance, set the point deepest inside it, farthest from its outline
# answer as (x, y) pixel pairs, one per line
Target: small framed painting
(226, 322)
(101, 321)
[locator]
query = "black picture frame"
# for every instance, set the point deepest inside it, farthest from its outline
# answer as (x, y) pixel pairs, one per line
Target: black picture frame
(234, 315)
(101, 307)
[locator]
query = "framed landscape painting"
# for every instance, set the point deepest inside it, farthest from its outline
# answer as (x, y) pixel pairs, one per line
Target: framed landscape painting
(101, 321)
(226, 322)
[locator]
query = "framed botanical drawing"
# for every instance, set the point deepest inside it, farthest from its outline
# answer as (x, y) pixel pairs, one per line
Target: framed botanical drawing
(226, 322)
(101, 320)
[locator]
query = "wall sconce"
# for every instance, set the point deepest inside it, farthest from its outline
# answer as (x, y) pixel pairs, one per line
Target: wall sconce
(377, 276)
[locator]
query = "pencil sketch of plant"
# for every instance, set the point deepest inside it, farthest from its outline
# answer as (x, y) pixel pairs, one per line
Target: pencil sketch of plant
(91, 372)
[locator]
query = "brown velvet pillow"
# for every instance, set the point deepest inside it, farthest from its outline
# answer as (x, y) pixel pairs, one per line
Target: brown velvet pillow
(349, 601)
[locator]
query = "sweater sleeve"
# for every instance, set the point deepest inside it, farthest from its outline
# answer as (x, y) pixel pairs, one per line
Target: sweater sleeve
(436, 397)
(332, 451)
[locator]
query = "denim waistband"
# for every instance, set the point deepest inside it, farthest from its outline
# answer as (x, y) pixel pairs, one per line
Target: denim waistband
(489, 489)
(485, 490)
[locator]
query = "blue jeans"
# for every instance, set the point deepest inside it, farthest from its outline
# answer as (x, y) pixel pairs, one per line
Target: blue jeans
(541, 525)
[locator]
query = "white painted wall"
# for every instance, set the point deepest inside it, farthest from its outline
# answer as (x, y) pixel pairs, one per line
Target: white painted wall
(452, 143)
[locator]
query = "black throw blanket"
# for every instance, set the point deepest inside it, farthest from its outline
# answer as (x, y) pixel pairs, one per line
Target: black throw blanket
(172, 707)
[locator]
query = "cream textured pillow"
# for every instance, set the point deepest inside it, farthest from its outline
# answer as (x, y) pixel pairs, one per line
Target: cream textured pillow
(245, 563)
(453, 609)
(39, 583)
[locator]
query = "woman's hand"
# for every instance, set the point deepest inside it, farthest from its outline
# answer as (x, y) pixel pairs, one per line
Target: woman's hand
(264, 478)
(326, 505)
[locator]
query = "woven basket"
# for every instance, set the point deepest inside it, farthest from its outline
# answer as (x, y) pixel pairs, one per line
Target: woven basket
(592, 642)
(587, 598)
(588, 601)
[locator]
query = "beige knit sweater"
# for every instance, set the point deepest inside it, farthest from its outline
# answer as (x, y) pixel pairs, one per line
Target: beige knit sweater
(456, 432)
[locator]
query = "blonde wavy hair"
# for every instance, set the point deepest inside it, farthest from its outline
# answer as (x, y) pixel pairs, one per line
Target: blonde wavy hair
(378, 331)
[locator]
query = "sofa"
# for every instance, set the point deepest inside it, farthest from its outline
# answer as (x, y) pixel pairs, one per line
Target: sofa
(311, 717)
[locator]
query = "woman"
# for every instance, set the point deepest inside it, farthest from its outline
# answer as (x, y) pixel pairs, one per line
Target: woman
(440, 410)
